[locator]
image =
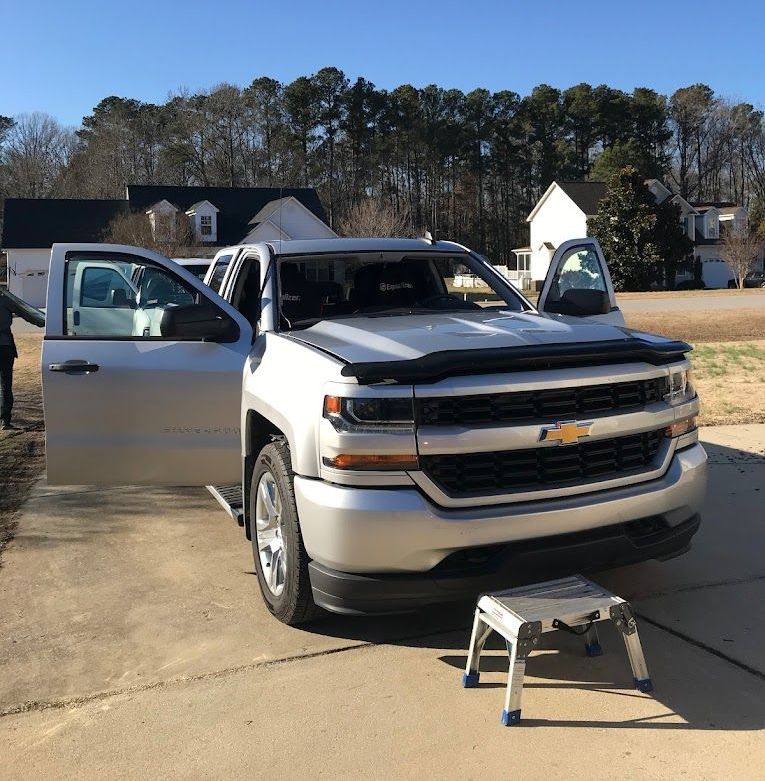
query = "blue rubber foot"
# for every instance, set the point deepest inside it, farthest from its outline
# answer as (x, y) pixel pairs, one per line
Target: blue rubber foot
(513, 717)
(593, 649)
(470, 680)
(644, 685)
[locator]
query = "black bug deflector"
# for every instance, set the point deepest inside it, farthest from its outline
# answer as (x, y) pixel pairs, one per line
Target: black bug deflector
(449, 363)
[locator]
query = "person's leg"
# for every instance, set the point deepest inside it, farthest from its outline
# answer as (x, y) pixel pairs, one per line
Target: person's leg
(6, 384)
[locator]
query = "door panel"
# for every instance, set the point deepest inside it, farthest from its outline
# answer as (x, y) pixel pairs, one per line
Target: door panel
(578, 284)
(124, 404)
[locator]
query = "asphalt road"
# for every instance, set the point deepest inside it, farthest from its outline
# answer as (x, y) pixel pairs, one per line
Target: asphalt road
(133, 643)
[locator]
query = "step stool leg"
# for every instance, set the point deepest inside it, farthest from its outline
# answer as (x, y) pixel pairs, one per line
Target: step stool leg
(478, 637)
(592, 645)
(623, 618)
(511, 713)
(519, 650)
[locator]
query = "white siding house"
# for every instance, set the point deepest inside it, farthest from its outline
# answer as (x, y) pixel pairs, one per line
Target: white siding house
(286, 218)
(563, 211)
(556, 218)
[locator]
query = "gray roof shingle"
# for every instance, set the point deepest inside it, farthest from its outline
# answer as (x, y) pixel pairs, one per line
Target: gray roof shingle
(586, 195)
(32, 223)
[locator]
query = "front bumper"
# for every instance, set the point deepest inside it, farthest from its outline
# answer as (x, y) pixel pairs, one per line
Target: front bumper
(494, 568)
(386, 535)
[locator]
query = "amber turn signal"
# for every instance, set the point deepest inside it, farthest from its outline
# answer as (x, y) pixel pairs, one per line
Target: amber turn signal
(680, 427)
(332, 405)
(353, 461)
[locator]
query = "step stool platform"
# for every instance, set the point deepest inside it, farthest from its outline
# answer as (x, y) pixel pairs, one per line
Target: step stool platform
(522, 615)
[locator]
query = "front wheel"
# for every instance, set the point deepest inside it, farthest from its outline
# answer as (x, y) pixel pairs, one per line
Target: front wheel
(281, 561)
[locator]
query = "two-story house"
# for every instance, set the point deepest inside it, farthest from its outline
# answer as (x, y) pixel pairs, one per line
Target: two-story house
(216, 216)
(563, 213)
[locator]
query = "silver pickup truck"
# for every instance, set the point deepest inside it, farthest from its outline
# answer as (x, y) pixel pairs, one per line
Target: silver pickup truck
(386, 440)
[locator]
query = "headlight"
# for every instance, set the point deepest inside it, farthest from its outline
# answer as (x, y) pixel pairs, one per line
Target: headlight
(681, 388)
(371, 414)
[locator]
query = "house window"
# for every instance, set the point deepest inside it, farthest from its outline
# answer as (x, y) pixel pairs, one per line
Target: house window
(205, 225)
(524, 262)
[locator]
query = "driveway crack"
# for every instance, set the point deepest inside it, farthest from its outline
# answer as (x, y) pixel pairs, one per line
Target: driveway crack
(703, 646)
(35, 706)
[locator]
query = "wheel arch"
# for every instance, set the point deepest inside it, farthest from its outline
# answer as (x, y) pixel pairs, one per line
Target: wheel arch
(259, 431)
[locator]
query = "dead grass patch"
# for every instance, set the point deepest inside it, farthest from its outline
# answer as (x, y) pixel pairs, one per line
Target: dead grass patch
(730, 379)
(728, 325)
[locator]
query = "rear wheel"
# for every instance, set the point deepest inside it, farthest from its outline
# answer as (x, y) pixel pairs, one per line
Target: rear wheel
(281, 561)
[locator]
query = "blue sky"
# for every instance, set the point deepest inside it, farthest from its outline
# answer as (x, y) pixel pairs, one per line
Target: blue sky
(63, 58)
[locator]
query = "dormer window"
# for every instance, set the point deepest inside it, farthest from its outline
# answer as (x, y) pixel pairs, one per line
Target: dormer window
(203, 218)
(162, 217)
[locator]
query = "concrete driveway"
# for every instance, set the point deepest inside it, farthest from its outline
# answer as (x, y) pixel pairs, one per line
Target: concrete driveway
(133, 644)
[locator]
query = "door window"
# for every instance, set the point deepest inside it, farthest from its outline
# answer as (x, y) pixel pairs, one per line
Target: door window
(578, 286)
(114, 296)
(579, 269)
(103, 286)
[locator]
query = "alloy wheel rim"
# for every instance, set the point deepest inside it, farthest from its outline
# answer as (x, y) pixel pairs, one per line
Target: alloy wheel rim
(269, 537)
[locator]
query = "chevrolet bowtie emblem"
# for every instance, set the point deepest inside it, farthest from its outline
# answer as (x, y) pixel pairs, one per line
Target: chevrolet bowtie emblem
(565, 432)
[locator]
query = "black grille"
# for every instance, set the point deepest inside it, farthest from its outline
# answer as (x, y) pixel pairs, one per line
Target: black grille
(509, 471)
(548, 404)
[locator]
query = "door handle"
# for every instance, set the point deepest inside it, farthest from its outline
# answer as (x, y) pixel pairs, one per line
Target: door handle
(74, 367)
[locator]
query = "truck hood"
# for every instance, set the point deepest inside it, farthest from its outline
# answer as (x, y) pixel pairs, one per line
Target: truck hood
(405, 343)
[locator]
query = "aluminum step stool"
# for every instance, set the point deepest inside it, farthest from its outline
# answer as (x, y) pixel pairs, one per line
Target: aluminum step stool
(521, 615)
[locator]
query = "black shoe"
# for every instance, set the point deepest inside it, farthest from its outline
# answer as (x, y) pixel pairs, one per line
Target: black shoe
(6, 425)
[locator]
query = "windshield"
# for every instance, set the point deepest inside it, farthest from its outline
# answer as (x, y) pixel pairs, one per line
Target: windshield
(312, 289)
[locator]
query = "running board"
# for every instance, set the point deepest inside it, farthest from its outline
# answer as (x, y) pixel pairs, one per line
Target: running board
(230, 499)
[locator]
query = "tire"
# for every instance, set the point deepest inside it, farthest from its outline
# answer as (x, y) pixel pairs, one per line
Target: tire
(281, 561)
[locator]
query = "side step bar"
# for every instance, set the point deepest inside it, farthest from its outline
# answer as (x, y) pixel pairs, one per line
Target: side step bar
(229, 497)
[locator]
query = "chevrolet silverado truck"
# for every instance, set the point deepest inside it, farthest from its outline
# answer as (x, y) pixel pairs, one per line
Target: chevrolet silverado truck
(386, 440)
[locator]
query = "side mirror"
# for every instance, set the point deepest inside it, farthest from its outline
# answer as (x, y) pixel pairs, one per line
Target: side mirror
(198, 321)
(584, 302)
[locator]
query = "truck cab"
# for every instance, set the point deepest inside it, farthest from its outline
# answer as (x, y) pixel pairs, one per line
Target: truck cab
(393, 443)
